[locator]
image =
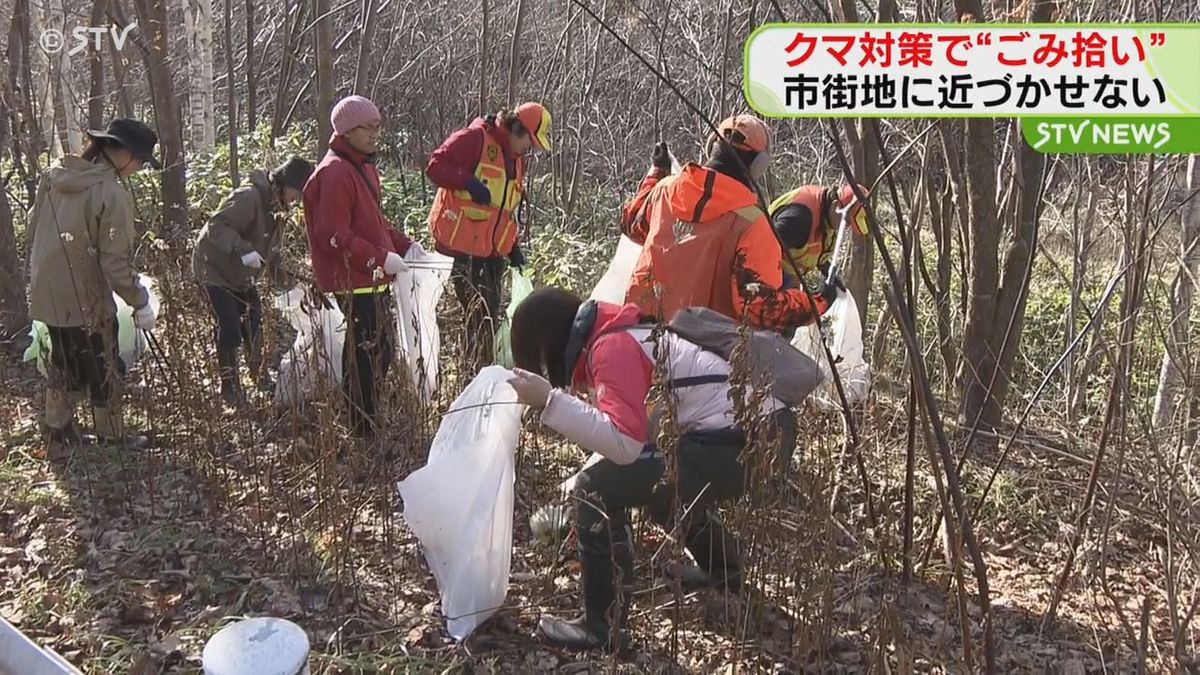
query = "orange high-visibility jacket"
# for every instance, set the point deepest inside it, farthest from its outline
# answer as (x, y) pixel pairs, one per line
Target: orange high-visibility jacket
(815, 250)
(706, 243)
(460, 225)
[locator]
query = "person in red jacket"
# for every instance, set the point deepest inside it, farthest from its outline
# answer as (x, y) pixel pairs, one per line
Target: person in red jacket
(356, 253)
(480, 174)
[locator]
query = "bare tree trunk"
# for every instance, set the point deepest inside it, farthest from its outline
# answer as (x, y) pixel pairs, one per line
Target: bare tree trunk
(124, 104)
(14, 313)
(251, 76)
(231, 87)
(514, 54)
(366, 36)
(324, 49)
(65, 111)
(483, 57)
(1177, 354)
(96, 67)
(279, 107)
(25, 129)
(43, 76)
(198, 23)
(152, 22)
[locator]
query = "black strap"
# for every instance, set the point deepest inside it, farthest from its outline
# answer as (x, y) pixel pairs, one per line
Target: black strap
(698, 380)
(710, 180)
(361, 174)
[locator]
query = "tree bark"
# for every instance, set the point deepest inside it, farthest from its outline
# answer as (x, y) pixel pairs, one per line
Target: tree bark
(323, 37)
(279, 107)
(43, 76)
(198, 25)
(124, 103)
(27, 135)
(251, 73)
(96, 68)
(14, 312)
(231, 88)
(1177, 355)
(366, 37)
(152, 23)
(483, 56)
(514, 54)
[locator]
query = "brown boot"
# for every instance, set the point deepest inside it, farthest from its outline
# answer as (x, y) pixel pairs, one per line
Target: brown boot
(110, 428)
(61, 434)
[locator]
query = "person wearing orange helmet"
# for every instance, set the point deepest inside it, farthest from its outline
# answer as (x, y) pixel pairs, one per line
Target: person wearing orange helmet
(706, 242)
(807, 221)
(480, 174)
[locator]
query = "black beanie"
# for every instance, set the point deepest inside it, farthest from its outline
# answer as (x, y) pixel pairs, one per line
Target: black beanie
(293, 173)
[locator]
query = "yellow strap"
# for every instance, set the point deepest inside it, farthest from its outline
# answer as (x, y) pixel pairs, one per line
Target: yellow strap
(382, 288)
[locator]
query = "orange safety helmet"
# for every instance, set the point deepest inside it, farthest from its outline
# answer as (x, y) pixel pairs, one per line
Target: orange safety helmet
(745, 132)
(857, 215)
(536, 119)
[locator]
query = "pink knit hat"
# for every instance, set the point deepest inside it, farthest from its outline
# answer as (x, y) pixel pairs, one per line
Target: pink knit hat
(351, 112)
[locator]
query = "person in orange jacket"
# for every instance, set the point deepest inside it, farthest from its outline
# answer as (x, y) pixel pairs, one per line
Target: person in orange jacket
(706, 242)
(807, 220)
(480, 174)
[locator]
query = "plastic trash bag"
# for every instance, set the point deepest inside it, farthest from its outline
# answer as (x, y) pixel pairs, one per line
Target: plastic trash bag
(315, 358)
(460, 504)
(131, 342)
(520, 287)
(417, 292)
(615, 282)
(843, 334)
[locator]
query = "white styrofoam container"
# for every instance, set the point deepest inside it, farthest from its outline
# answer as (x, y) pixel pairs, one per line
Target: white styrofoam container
(261, 646)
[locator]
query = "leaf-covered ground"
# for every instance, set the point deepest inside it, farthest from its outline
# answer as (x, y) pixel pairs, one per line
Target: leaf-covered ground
(128, 562)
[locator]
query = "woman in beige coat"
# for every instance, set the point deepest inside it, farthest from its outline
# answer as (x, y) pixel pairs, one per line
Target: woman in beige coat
(83, 236)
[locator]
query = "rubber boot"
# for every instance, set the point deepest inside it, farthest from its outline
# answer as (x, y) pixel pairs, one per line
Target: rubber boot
(718, 559)
(231, 386)
(602, 625)
(110, 429)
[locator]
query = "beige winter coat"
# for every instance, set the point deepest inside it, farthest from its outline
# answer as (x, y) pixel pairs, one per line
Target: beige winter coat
(82, 246)
(245, 222)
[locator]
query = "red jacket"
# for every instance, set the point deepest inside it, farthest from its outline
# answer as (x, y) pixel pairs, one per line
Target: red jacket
(348, 236)
(454, 162)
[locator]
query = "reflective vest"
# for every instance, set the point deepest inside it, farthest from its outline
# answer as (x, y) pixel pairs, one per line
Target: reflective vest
(819, 248)
(463, 226)
(688, 264)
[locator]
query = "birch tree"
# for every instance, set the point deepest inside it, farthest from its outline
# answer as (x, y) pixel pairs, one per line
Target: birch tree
(198, 25)
(1176, 356)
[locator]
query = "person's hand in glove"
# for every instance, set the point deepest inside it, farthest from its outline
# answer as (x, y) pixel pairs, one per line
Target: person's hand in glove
(252, 260)
(394, 264)
(532, 389)
(479, 192)
(516, 259)
(826, 290)
(660, 161)
(143, 317)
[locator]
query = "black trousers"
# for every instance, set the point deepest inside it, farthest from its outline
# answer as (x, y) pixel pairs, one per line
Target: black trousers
(709, 471)
(85, 360)
(367, 355)
(238, 315)
(477, 284)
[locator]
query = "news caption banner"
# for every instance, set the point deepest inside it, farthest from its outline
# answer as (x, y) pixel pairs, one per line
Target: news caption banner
(1077, 88)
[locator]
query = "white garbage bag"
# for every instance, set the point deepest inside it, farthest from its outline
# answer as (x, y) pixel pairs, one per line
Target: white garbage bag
(460, 504)
(315, 360)
(131, 342)
(843, 334)
(417, 291)
(615, 282)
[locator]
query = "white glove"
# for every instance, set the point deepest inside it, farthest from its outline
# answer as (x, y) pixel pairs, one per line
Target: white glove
(394, 264)
(144, 318)
(252, 260)
(414, 252)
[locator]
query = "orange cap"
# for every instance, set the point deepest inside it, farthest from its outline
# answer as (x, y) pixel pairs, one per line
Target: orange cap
(746, 132)
(536, 119)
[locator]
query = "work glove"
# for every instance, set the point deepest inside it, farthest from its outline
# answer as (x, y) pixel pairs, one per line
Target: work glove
(479, 192)
(394, 264)
(661, 159)
(143, 317)
(516, 259)
(414, 251)
(827, 290)
(252, 260)
(532, 389)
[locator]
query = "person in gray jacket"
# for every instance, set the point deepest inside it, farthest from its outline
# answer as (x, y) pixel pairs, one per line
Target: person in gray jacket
(239, 241)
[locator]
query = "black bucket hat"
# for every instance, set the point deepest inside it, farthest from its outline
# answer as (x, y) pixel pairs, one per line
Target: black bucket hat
(132, 135)
(293, 173)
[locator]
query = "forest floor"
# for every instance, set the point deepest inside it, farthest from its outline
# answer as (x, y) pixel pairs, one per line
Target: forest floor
(129, 562)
